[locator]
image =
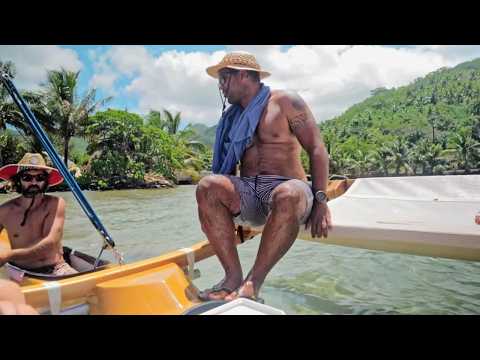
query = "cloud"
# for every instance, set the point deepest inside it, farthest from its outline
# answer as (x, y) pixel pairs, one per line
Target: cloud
(331, 78)
(33, 61)
(453, 53)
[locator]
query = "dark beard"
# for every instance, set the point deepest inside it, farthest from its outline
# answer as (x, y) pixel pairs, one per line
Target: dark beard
(33, 190)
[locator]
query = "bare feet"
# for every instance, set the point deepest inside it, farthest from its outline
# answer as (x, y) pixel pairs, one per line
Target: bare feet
(221, 290)
(247, 290)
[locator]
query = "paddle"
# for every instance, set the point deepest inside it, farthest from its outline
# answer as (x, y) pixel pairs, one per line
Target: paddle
(69, 179)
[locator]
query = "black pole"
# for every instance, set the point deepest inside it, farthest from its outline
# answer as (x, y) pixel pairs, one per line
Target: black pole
(49, 148)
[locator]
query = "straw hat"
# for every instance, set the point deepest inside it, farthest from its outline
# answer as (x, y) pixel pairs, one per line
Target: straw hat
(31, 161)
(239, 60)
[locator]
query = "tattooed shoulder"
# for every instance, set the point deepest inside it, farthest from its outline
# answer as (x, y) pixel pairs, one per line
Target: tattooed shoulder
(298, 121)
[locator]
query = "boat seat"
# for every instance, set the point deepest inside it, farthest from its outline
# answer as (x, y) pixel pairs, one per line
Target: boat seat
(81, 262)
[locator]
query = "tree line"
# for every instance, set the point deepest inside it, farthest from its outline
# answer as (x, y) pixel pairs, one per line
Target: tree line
(120, 147)
(431, 126)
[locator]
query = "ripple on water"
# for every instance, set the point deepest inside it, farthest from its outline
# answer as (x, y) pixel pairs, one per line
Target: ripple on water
(311, 279)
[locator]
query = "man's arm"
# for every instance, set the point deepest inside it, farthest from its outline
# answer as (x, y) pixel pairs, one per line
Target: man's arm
(49, 243)
(303, 125)
(4, 252)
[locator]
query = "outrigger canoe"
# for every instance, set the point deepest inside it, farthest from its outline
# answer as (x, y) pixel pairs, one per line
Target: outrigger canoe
(430, 216)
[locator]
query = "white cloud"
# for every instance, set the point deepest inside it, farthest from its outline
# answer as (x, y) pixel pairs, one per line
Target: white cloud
(453, 53)
(330, 78)
(33, 61)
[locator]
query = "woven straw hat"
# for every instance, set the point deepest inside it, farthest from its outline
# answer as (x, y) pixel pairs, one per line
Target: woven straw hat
(239, 60)
(31, 161)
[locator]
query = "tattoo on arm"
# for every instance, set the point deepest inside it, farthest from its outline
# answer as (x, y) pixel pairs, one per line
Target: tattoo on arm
(299, 117)
(297, 122)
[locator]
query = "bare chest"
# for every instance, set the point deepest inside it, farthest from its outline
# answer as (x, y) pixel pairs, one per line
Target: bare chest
(273, 127)
(31, 232)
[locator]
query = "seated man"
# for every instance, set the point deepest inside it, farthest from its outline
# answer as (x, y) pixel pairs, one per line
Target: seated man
(264, 131)
(12, 301)
(34, 221)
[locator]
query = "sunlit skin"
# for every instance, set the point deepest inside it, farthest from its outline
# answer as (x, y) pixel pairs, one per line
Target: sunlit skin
(38, 242)
(12, 300)
(286, 125)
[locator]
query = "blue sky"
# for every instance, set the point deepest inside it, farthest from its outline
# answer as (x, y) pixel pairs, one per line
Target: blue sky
(330, 78)
(129, 102)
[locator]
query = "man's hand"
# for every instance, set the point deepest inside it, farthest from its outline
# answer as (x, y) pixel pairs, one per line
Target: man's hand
(4, 256)
(320, 220)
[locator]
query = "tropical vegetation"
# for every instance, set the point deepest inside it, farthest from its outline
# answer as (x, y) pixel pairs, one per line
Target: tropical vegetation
(431, 126)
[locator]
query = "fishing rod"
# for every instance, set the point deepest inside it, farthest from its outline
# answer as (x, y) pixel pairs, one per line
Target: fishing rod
(69, 179)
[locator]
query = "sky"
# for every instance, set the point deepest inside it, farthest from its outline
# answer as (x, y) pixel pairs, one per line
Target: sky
(140, 78)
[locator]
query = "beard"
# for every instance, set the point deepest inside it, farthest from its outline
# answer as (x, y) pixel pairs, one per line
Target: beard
(33, 190)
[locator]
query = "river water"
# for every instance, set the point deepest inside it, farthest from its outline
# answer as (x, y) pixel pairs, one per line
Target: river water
(312, 278)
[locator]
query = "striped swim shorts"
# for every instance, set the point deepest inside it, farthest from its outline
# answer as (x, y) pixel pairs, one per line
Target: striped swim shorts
(256, 197)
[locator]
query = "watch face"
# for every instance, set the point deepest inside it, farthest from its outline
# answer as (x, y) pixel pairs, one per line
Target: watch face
(320, 196)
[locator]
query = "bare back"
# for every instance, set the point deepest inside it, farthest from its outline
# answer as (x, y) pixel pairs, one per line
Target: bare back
(38, 226)
(275, 149)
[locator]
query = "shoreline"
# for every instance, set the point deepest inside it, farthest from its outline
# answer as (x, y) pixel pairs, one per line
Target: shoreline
(55, 189)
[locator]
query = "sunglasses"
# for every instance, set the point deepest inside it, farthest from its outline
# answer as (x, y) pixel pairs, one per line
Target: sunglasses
(223, 76)
(29, 177)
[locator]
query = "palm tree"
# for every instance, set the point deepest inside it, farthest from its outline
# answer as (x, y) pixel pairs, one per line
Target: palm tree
(362, 162)
(415, 158)
(465, 150)
(340, 162)
(433, 119)
(68, 111)
(381, 159)
(172, 123)
(154, 118)
(433, 155)
(10, 115)
(399, 155)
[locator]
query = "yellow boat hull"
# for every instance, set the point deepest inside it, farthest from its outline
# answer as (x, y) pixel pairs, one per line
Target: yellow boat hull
(158, 285)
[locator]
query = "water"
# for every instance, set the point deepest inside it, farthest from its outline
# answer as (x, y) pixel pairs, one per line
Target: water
(311, 279)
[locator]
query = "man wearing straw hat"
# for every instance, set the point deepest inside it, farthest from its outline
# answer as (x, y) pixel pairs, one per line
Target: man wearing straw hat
(264, 132)
(34, 221)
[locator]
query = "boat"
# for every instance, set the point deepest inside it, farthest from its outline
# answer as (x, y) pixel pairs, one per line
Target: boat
(402, 215)
(419, 215)
(160, 285)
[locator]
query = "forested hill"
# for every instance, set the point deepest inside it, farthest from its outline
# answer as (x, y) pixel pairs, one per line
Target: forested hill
(402, 129)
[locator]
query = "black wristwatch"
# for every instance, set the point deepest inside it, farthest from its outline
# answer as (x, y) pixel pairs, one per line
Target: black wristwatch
(321, 196)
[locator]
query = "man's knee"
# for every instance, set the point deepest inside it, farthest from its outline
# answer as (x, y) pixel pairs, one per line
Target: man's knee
(286, 199)
(214, 188)
(209, 185)
(10, 291)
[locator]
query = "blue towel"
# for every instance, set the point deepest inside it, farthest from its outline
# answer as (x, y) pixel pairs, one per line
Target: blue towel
(235, 131)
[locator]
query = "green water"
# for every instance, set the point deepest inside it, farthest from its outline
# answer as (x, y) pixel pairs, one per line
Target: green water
(311, 279)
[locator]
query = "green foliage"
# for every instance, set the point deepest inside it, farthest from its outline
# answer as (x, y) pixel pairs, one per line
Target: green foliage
(65, 108)
(12, 148)
(123, 149)
(414, 129)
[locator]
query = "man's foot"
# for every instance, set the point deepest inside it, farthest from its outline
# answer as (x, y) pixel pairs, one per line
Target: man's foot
(247, 290)
(217, 292)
